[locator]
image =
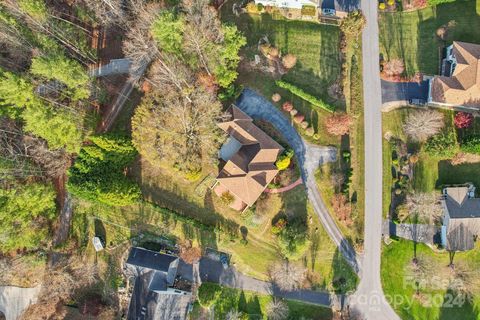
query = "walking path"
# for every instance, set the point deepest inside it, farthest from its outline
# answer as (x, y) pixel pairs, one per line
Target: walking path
(369, 298)
(286, 188)
(309, 158)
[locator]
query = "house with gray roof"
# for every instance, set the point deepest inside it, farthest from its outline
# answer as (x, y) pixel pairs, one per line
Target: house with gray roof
(162, 286)
(461, 222)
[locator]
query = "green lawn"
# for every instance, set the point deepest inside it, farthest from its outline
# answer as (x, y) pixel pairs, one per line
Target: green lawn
(253, 305)
(396, 259)
(411, 35)
(318, 61)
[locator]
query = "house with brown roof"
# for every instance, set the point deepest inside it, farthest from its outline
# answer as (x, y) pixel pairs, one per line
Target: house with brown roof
(250, 156)
(461, 221)
(459, 84)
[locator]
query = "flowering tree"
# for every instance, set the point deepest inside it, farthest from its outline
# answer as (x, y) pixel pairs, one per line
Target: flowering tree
(463, 120)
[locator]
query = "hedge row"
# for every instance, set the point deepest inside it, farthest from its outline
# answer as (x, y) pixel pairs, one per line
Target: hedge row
(305, 96)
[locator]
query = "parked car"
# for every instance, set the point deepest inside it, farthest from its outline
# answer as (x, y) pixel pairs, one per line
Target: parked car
(328, 12)
(416, 102)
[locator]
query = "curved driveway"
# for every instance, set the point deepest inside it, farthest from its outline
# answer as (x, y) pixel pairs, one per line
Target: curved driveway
(309, 158)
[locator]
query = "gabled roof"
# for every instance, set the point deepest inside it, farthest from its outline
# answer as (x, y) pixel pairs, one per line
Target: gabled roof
(460, 205)
(252, 168)
(144, 258)
(462, 88)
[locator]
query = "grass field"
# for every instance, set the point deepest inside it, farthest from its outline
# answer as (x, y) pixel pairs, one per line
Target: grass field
(253, 305)
(396, 259)
(318, 61)
(411, 35)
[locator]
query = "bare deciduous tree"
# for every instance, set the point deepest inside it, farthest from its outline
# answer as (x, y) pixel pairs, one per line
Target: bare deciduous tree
(277, 310)
(169, 127)
(107, 12)
(287, 276)
(425, 207)
(421, 125)
(139, 45)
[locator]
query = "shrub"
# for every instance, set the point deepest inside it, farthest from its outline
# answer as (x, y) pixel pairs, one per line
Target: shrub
(305, 96)
(310, 131)
(381, 6)
(463, 120)
(471, 144)
(227, 198)
(287, 106)
(259, 7)
(442, 145)
(316, 136)
(293, 112)
(284, 160)
(299, 118)
(289, 61)
(390, 2)
(276, 97)
(304, 124)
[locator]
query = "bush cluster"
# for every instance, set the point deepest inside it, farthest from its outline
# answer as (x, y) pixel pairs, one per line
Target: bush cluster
(442, 145)
(471, 144)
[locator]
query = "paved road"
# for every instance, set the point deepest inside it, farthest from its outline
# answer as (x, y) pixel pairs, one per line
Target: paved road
(403, 91)
(213, 271)
(369, 297)
(14, 300)
(310, 157)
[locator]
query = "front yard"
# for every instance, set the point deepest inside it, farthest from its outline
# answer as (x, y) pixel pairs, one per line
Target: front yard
(431, 172)
(412, 37)
(436, 298)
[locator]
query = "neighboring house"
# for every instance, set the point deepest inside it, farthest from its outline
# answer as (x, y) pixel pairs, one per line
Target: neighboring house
(250, 156)
(459, 84)
(332, 8)
(162, 288)
(461, 222)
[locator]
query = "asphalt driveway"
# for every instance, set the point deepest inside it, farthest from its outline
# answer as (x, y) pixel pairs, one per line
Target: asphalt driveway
(403, 91)
(309, 156)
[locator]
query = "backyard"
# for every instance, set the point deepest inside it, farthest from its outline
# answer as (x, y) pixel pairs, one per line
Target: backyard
(412, 37)
(433, 301)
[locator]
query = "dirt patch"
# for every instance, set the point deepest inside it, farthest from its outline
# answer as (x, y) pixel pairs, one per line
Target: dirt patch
(110, 44)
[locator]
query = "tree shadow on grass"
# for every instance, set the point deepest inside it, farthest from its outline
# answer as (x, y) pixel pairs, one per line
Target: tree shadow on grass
(456, 307)
(343, 277)
(462, 173)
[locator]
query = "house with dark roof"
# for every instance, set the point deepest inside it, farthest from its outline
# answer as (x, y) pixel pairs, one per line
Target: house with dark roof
(461, 222)
(250, 156)
(162, 287)
(459, 82)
